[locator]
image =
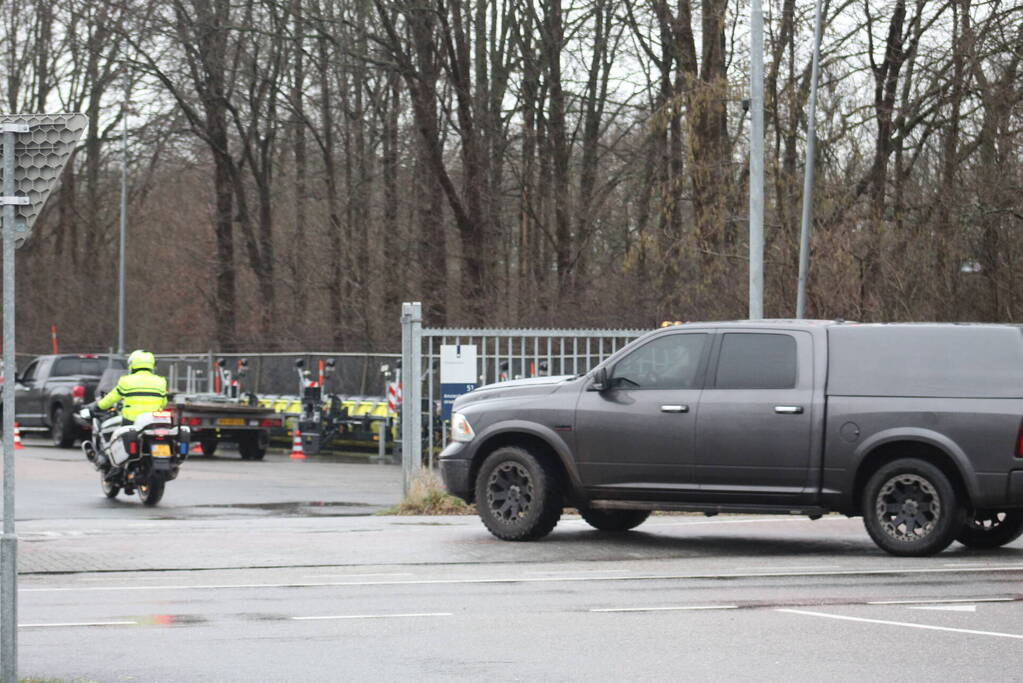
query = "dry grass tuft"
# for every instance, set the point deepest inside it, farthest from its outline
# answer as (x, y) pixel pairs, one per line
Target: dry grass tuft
(428, 497)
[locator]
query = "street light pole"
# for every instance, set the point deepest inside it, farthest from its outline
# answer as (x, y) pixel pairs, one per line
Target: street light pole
(124, 229)
(9, 541)
(756, 163)
(811, 146)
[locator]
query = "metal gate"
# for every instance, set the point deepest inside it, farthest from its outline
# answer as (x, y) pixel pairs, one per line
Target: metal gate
(502, 354)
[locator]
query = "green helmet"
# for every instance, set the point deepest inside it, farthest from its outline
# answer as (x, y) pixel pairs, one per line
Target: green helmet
(141, 360)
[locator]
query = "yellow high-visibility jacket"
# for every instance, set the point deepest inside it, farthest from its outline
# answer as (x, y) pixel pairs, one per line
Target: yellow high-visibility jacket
(142, 392)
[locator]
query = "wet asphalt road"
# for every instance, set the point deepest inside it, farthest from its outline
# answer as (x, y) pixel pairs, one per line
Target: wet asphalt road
(236, 579)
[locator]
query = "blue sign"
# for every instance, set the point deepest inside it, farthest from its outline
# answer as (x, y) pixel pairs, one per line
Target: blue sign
(448, 394)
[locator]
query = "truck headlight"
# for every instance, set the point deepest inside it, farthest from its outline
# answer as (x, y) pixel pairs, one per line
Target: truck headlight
(461, 430)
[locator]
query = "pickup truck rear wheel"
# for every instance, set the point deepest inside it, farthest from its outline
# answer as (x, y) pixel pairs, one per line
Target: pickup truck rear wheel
(991, 528)
(62, 430)
(911, 509)
(614, 520)
(518, 495)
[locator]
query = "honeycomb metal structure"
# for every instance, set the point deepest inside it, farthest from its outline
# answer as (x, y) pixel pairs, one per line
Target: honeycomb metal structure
(40, 156)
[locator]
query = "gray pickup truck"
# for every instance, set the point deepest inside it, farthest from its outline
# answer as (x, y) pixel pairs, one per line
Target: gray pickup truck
(918, 428)
(52, 388)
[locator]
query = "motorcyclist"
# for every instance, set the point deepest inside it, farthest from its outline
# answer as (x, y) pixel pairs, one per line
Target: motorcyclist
(140, 391)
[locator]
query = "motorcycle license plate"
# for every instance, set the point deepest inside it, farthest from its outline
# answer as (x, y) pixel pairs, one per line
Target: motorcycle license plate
(161, 450)
(231, 421)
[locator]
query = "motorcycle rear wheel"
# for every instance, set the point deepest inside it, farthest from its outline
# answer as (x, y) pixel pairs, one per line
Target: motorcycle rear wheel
(151, 492)
(110, 489)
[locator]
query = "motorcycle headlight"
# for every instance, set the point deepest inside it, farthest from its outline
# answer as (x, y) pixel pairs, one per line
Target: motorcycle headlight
(461, 430)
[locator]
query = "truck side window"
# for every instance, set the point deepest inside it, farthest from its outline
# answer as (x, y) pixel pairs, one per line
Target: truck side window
(30, 372)
(668, 362)
(756, 361)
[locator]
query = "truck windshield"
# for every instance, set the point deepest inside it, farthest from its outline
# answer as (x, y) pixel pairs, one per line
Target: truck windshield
(65, 367)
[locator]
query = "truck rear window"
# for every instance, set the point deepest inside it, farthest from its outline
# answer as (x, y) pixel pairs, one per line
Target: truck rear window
(65, 367)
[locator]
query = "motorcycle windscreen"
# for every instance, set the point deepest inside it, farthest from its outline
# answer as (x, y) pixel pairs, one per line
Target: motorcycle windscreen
(108, 380)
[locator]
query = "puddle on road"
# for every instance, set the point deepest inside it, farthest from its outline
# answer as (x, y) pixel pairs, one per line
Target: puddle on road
(171, 620)
(304, 508)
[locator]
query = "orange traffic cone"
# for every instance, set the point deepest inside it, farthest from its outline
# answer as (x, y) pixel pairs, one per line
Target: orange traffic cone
(296, 449)
(196, 448)
(17, 438)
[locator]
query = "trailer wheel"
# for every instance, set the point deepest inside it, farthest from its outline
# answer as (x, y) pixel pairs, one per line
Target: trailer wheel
(251, 447)
(209, 447)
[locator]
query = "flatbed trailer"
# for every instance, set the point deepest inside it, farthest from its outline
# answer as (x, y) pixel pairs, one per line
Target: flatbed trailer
(213, 421)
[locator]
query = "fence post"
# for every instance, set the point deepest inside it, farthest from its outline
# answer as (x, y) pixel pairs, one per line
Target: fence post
(411, 414)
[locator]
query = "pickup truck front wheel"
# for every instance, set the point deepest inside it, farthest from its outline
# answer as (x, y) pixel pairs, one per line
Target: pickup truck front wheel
(518, 495)
(991, 528)
(614, 520)
(911, 509)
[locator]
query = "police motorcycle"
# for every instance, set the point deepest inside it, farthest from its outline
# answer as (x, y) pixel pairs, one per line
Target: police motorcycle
(141, 456)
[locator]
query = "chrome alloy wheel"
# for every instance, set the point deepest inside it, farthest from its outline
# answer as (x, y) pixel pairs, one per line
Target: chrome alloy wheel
(908, 507)
(510, 491)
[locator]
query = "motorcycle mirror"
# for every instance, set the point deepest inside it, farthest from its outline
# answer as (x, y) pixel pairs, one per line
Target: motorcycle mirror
(221, 363)
(300, 363)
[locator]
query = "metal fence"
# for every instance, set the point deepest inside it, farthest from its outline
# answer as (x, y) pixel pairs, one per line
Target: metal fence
(501, 355)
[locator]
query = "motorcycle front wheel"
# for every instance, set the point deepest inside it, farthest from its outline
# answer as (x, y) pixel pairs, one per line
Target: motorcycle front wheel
(151, 492)
(110, 489)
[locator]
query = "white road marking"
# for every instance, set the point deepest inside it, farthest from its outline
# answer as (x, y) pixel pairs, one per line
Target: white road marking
(375, 616)
(535, 579)
(583, 571)
(946, 608)
(928, 627)
(81, 623)
(787, 568)
(683, 608)
(354, 576)
(937, 601)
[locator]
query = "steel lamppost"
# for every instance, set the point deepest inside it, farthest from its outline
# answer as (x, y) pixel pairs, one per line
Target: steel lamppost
(756, 163)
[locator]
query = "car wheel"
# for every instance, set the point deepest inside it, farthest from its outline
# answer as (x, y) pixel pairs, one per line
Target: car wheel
(62, 431)
(518, 495)
(614, 520)
(991, 528)
(911, 509)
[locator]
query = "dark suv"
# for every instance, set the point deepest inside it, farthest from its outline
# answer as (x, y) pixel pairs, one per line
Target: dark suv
(918, 428)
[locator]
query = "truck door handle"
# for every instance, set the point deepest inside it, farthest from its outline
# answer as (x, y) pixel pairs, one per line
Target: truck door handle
(788, 410)
(675, 409)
